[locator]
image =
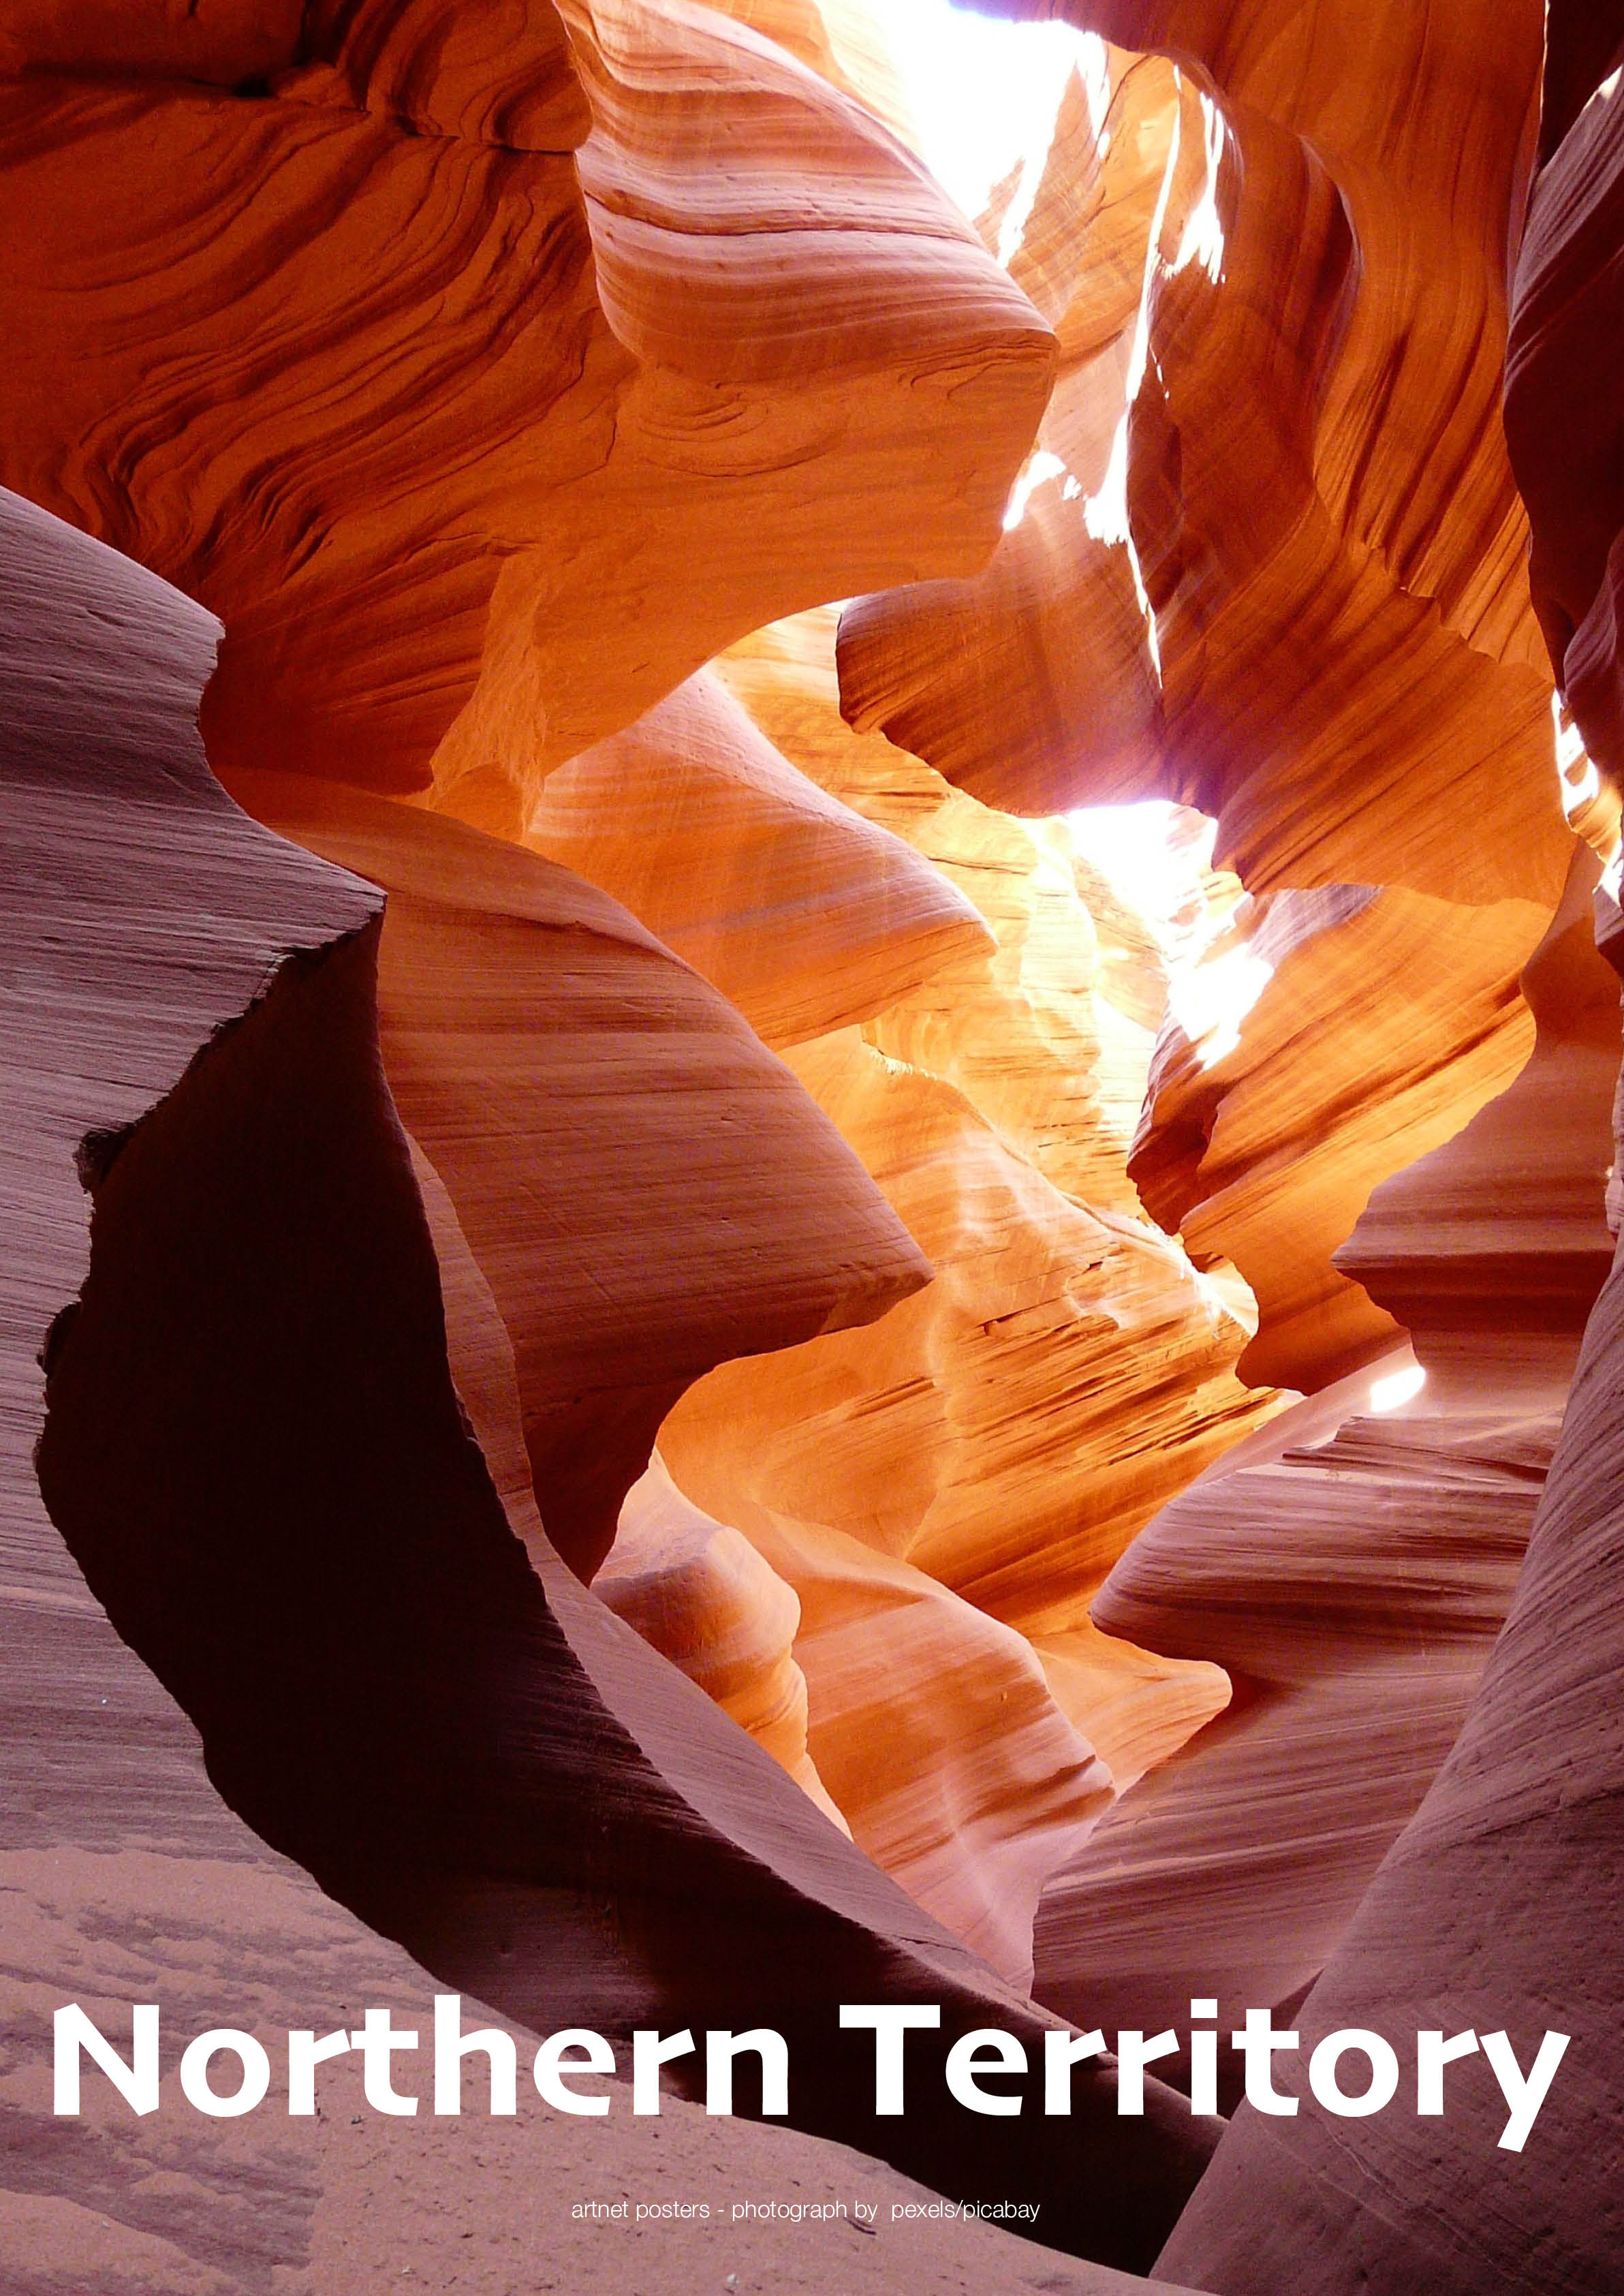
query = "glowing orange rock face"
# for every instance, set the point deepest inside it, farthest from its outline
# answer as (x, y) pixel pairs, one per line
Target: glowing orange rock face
(1351, 1567)
(804, 914)
(695, 1203)
(1383, 1020)
(702, 1595)
(946, 1489)
(1033, 685)
(1492, 1250)
(983, 1434)
(576, 388)
(935, 1729)
(976, 1453)
(1268, 562)
(1046, 1028)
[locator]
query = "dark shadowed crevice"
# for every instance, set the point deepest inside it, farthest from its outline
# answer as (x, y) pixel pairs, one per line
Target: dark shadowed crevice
(255, 1450)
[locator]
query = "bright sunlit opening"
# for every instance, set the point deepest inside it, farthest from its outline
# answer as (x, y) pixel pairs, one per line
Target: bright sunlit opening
(1211, 998)
(1590, 804)
(983, 94)
(1580, 781)
(1040, 466)
(1398, 1389)
(1156, 854)
(1203, 239)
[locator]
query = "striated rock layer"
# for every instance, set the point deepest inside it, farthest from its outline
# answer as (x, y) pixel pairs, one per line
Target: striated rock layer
(1268, 562)
(805, 916)
(946, 1491)
(1561, 421)
(254, 1453)
(449, 497)
(1351, 1567)
(1491, 1910)
(1384, 1019)
(694, 1205)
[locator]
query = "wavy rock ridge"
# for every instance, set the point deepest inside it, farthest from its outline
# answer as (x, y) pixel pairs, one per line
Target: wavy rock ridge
(696, 1150)
(464, 1752)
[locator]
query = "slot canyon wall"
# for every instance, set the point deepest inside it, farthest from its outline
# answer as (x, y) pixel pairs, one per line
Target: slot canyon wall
(809, 1138)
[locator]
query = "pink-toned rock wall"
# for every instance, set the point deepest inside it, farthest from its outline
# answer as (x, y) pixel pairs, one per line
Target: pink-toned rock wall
(255, 1464)
(1110, 1342)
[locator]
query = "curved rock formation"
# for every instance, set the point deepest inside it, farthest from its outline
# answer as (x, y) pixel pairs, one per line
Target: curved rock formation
(1383, 1020)
(703, 1596)
(1301, 564)
(253, 1449)
(1561, 422)
(1034, 684)
(973, 1445)
(580, 385)
(975, 1463)
(1491, 1910)
(1493, 1250)
(1352, 1591)
(999, 1465)
(935, 1731)
(1046, 1030)
(695, 1207)
(1351, 1571)
(843, 43)
(803, 915)
(1267, 562)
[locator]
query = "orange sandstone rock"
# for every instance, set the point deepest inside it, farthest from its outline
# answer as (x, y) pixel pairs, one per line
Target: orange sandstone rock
(1487, 1906)
(1006, 1433)
(696, 1205)
(1352, 1565)
(843, 43)
(1258, 594)
(1352, 1591)
(805, 916)
(1034, 684)
(1047, 1033)
(995, 1443)
(1382, 1019)
(701, 1595)
(934, 1729)
(1330, 546)
(1492, 1250)
(574, 391)
(825, 357)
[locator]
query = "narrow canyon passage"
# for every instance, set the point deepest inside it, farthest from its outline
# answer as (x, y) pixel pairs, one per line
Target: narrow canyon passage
(811, 902)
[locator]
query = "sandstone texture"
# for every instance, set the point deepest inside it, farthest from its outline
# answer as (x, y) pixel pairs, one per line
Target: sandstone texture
(368, 1669)
(440, 500)
(811, 1124)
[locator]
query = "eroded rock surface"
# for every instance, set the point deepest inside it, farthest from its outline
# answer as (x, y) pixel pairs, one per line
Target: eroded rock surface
(1269, 562)
(433, 498)
(382, 1685)
(764, 1047)
(694, 1205)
